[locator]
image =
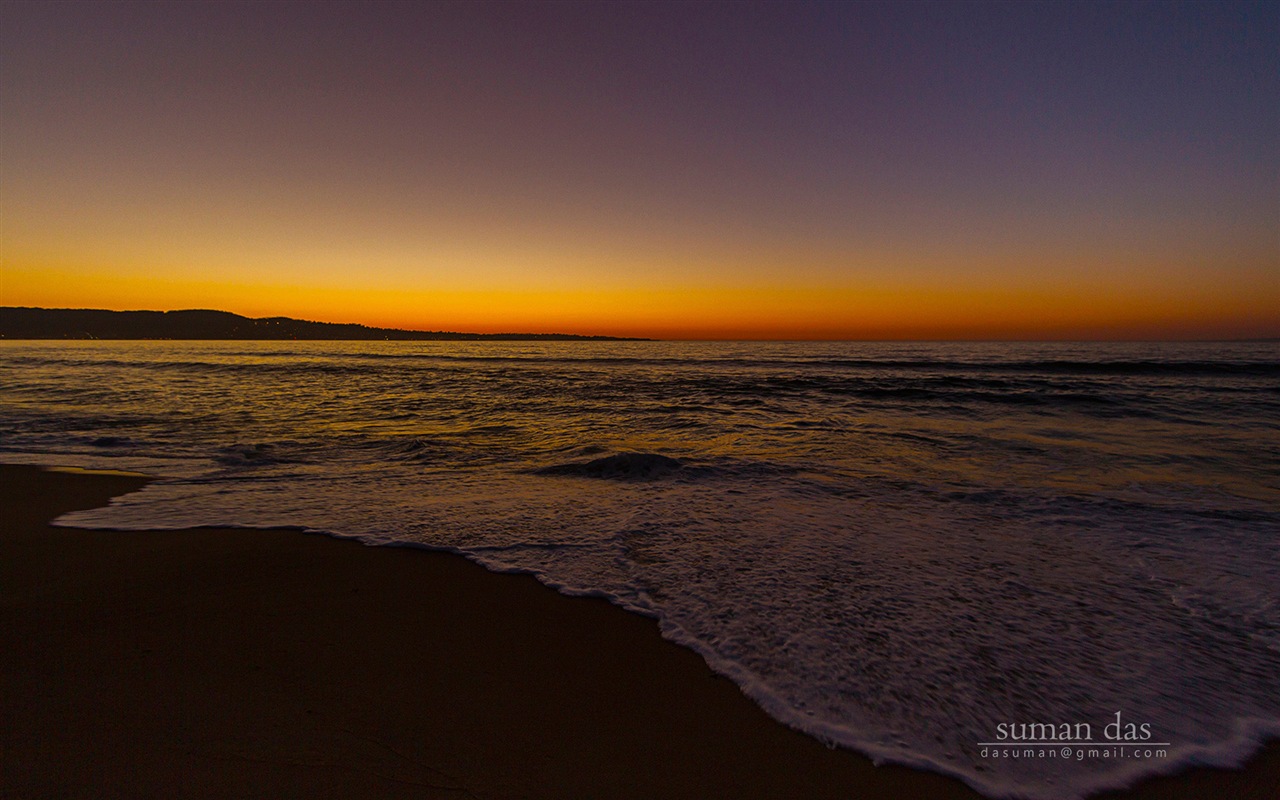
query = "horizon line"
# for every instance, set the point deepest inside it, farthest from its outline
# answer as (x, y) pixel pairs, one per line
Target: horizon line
(1047, 339)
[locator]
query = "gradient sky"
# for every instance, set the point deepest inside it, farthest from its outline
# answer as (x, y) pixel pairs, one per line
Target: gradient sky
(1079, 170)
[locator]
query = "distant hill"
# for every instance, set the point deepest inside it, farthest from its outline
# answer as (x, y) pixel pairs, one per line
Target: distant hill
(85, 323)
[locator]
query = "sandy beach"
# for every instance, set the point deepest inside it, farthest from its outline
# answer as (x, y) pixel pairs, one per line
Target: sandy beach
(251, 663)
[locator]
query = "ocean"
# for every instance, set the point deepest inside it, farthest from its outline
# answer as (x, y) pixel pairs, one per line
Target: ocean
(982, 559)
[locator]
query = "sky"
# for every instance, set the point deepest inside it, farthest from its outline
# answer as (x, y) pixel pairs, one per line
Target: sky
(675, 170)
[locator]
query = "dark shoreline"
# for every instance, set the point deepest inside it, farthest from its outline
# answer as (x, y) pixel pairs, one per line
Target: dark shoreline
(221, 662)
(21, 323)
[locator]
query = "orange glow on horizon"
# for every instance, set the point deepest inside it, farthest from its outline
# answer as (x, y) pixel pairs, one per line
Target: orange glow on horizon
(1063, 309)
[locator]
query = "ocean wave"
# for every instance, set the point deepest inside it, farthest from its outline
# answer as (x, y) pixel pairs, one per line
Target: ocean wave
(622, 467)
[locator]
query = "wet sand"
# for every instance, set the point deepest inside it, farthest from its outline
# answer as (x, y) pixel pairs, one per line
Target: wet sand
(234, 663)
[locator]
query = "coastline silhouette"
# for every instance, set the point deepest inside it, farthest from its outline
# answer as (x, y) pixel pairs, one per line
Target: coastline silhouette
(84, 323)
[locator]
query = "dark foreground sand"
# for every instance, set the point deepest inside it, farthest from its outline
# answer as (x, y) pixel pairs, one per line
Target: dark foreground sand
(231, 663)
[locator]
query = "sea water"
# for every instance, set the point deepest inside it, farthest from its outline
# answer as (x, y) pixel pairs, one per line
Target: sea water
(927, 552)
